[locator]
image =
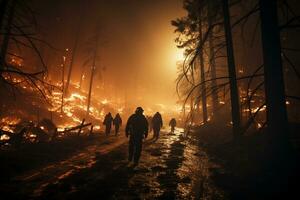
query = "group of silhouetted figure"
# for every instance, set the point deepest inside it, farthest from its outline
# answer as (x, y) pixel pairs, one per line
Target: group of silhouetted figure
(109, 121)
(137, 128)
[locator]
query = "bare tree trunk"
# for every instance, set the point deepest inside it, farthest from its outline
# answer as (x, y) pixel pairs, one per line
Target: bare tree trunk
(92, 75)
(203, 87)
(74, 50)
(192, 111)
(202, 74)
(282, 165)
(63, 85)
(90, 90)
(7, 31)
(213, 74)
(3, 7)
(277, 120)
(234, 96)
(81, 77)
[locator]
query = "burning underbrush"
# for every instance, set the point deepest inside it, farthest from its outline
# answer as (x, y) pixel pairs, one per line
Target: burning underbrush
(27, 115)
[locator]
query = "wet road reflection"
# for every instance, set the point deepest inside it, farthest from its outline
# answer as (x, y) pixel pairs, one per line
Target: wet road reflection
(36, 181)
(172, 167)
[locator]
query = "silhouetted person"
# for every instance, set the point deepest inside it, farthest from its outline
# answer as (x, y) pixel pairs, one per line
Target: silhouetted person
(149, 119)
(117, 123)
(17, 138)
(172, 123)
(54, 135)
(107, 122)
(136, 129)
(157, 123)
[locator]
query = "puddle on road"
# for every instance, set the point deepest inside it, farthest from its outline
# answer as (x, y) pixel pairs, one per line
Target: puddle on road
(195, 170)
(172, 167)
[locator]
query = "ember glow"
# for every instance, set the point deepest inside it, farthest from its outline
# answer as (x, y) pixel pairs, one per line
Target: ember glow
(73, 106)
(8, 123)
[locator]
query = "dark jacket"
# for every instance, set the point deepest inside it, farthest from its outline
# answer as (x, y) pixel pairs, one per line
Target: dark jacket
(172, 122)
(157, 121)
(137, 126)
(108, 120)
(117, 120)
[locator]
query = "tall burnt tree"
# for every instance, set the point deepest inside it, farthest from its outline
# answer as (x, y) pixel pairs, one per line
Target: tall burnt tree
(93, 68)
(7, 29)
(234, 96)
(3, 9)
(211, 13)
(81, 76)
(202, 73)
(277, 120)
(93, 46)
(74, 50)
(191, 33)
(3, 5)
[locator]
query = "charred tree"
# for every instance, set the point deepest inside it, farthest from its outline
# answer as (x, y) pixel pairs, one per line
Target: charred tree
(63, 84)
(92, 75)
(90, 90)
(3, 7)
(214, 93)
(234, 96)
(81, 77)
(277, 120)
(7, 32)
(74, 50)
(202, 74)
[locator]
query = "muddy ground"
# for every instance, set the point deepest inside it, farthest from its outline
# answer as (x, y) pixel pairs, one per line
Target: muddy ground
(170, 168)
(173, 167)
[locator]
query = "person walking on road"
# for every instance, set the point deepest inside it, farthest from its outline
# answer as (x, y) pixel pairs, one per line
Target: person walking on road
(117, 122)
(172, 123)
(149, 119)
(157, 124)
(136, 129)
(108, 122)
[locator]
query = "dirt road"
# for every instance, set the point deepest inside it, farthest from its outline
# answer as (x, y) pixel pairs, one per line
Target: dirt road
(172, 167)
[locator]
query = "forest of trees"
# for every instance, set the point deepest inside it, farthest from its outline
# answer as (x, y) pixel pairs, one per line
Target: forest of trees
(240, 73)
(38, 73)
(219, 39)
(212, 33)
(254, 39)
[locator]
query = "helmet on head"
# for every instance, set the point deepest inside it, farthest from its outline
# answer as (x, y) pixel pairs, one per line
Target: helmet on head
(139, 110)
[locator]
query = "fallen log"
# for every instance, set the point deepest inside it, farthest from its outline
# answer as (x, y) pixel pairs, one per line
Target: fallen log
(75, 128)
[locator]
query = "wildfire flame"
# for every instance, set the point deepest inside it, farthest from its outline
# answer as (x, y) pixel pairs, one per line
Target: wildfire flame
(7, 123)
